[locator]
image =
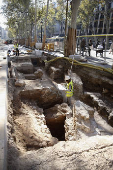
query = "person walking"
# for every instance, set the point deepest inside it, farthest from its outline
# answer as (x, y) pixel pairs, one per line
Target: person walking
(82, 46)
(90, 47)
(16, 48)
(111, 48)
(103, 44)
(9, 69)
(98, 43)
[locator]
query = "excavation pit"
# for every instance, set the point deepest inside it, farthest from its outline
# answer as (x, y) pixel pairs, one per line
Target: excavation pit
(57, 130)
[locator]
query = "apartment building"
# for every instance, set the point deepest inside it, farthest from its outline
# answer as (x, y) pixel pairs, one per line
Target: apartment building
(3, 33)
(101, 17)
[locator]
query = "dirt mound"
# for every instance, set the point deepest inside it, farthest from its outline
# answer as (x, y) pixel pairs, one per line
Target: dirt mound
(96, 152)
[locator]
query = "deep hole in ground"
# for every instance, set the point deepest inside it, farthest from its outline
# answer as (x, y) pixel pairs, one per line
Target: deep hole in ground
(31, 130)
(57, 130)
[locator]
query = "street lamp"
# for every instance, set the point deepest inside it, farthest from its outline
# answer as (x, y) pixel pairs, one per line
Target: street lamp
(41, 30)
(16, 30)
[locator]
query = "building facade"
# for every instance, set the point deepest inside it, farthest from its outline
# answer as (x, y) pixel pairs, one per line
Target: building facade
(101, 22)
(3, 33)
(100, 27)
(102, 16)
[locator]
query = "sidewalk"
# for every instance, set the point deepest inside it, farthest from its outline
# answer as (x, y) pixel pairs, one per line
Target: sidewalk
(105, 61)
(3, 114)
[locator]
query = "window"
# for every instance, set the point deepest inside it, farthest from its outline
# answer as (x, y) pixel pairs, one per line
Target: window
(111, 4)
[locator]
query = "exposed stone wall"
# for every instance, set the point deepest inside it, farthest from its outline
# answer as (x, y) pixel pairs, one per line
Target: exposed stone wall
(38, 118)
(93, 79)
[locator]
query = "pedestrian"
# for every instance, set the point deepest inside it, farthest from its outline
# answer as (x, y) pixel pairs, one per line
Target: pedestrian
(9, 69)
(90, 44)
(103, 44)
(69, 90)
(16, 48)
(82, 46)
(98, 43)
(77, 45)
(111, 48)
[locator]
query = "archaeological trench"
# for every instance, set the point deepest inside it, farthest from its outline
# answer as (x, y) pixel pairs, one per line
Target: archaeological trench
(42, 132)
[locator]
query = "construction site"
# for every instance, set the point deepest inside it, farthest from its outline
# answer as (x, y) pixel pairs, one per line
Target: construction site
(44, 131)
(56, 85)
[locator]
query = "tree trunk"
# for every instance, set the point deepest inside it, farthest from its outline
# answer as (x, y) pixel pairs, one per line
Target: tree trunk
(35, 39)
(44, 36)
(65, 38)
(71, 37)
(71, 41)
(107, 22)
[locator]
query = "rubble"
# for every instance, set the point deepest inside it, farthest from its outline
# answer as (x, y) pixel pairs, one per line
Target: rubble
(19, 83)
(41, 123)
(38, 73)
(26, 68)
(42, 91)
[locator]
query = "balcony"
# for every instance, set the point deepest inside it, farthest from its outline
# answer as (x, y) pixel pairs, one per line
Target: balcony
(101, 24)
(95, 24)
(102, 16)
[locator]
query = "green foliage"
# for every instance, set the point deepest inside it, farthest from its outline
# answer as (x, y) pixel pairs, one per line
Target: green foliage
(60, 10)
(16, 12)
(50, 18)
(24, 3)
(85, 11)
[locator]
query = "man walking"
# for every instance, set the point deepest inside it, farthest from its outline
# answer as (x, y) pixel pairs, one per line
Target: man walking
(16, 48)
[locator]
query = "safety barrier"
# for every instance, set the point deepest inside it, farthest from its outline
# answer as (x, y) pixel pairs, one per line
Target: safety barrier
(29, 51)
(49, 46)
(97, 35)
(32, 44)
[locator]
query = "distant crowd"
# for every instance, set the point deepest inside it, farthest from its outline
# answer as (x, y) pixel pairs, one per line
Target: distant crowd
(98, 45)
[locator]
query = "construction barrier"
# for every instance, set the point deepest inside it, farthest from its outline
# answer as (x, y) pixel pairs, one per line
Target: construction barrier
(49, 47)
(32, 44)
(38, 46)
(29, 51)
(97, 35)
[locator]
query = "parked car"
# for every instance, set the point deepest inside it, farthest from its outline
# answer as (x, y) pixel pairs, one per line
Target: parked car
(8, 42)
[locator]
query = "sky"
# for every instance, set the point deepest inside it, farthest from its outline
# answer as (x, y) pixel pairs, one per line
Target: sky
(2, 18)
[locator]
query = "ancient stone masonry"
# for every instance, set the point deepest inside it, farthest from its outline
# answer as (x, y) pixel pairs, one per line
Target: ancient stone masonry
(44, 132)
(55, 119)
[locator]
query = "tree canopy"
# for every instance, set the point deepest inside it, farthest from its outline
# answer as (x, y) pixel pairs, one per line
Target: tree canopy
(18, 11)
(86, 10)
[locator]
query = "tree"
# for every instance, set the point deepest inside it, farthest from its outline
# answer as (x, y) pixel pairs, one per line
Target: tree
(85, 12)
(44, 36)
(24, 3)
(107, 18)
(17, 14)
(50, 20)
(71, 37)
(60, 12)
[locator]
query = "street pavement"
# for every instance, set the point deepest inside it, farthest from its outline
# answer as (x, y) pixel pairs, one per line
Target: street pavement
(3, 109)
(105, 61)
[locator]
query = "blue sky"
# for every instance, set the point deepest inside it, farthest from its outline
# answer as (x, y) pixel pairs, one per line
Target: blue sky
(2, 18)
